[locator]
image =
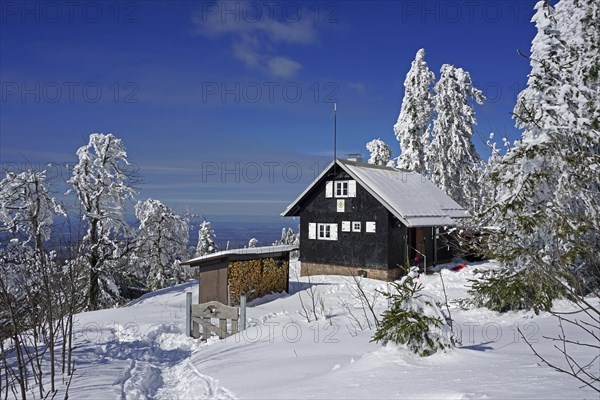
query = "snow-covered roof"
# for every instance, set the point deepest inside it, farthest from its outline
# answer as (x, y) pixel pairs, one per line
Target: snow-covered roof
(409, 196)
(260, 252)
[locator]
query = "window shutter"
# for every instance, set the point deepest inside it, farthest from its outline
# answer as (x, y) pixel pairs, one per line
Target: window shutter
(370, 227)
(334, 232)
(345, 226)
(312, 230)
(351, 188)
(329, 189)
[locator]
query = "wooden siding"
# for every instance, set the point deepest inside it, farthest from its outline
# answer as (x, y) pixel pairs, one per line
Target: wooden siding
(369, 250)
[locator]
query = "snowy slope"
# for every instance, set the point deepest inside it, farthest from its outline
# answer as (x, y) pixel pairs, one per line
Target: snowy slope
(139, 352)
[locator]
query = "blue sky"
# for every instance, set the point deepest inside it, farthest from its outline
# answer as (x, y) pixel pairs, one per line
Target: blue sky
(226, 107)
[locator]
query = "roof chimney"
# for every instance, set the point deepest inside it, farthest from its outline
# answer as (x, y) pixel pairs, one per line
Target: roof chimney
(355, 157)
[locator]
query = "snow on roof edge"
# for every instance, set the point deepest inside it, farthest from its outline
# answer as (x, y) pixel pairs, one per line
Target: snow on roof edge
(246, 250)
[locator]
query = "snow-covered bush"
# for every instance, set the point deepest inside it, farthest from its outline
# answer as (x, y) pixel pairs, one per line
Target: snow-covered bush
(413, 319)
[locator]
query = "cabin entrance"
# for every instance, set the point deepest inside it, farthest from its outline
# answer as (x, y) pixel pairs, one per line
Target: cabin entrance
(416, 244)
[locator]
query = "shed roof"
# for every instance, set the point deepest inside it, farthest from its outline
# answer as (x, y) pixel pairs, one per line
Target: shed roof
(409, 196)
(248, 253)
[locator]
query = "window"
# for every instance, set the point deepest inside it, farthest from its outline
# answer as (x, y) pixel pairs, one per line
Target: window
(345, 226)
(370, 227)
(355, 226)
(327, 231)
(341, 189)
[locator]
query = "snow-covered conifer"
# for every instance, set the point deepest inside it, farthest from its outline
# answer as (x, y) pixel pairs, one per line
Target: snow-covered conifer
(451, 159)
(413, 319)
(206, 240)
(380, 152)
(545, 219)
(411, 129)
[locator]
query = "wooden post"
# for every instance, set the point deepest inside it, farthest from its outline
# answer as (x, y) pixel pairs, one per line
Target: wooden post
(205, 328)
(199, 290)
(188, 313)
(243, 311)
(222, 328)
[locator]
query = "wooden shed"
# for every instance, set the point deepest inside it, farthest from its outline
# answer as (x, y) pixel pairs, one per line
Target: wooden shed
(256, 271)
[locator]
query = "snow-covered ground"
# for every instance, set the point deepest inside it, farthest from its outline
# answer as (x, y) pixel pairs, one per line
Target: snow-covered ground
(140, 351)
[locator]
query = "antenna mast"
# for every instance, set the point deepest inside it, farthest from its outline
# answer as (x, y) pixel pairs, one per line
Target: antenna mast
(334, 132)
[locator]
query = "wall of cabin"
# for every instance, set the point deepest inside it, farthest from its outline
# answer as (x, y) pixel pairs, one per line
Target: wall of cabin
(363, 249)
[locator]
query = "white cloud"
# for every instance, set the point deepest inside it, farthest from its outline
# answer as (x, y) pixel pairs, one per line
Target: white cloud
(283, 67)
(254, 36)
(358, 87)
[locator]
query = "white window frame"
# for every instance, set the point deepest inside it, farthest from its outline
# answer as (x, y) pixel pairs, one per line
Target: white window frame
(341, 188)
(356, 226)
(327, 231)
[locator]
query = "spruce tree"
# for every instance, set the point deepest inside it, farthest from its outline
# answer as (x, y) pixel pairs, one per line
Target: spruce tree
(544, 223)
(206, 240)
(451, 159)
(411, 129)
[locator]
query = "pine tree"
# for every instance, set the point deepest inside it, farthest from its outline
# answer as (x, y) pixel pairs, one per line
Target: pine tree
(380, 152)
(545, 219)
(206, 240)
(411, 129)
(413, 319)
(451, 159)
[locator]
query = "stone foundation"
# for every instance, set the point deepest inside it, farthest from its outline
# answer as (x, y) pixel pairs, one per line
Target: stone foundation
(332, 269)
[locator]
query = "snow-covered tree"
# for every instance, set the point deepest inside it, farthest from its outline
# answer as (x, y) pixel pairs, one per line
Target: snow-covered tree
(380, 152)
(451, 159)
(206, 240)
(487, 186)
(253, 243)
(30, 296)
(163, 237)
(413, 319)
(411, 129)
(545, 219)
(102, 180)
(288, 237)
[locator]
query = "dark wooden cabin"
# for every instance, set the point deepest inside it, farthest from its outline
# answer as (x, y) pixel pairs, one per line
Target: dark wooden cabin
(363, 219)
